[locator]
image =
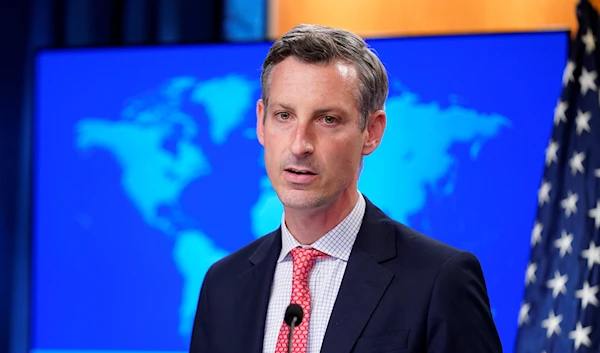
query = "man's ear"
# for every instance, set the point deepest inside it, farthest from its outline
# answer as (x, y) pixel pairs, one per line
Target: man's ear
(260, 124)
(374, 130)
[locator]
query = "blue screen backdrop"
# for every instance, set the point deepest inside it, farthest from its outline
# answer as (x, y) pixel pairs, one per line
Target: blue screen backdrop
(147, 171)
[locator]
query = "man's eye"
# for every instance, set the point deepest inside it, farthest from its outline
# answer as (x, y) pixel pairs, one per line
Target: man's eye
(283, 115)
(329, 120)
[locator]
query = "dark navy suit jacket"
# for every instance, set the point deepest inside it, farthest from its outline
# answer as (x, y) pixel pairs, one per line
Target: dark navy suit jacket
(401, 292)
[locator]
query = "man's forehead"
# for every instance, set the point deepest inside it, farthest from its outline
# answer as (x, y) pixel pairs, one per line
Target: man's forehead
(293, 63)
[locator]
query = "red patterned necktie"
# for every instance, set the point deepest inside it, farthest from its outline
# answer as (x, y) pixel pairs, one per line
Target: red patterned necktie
(304, 260)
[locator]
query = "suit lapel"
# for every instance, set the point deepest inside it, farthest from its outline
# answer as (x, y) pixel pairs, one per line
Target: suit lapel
(253, 292)
(365, 281)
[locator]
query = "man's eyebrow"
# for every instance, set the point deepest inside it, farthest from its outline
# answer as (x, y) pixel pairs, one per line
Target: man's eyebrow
(318, 111)
(329, 110)
(281, 105)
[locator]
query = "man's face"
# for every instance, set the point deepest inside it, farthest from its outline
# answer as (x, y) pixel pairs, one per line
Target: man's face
(313, 144)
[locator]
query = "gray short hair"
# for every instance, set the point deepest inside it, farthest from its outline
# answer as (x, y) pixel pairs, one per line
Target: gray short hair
(320, 44)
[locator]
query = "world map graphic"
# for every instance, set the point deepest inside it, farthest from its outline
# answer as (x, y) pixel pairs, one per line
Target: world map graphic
(156, 174)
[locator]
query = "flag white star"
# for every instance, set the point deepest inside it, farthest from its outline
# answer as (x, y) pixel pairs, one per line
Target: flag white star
(568, 73)
(590, 41)
(570, 203)
(544, 192)
(558, 284)
(530, 274)
(595, 214)
(583, 121)
(524, 313)
(536, 233)
(564, 243)
(560, 112)
(581, 335)
(576, 163)
(597, 173)
(552, 324)
(587, 295)
(587, 81)
(551, 150)
(592, 254)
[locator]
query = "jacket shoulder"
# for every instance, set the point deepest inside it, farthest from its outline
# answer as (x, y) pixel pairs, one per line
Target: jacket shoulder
(410, 242)
(241, 259)
(422, 244)
(416, 247)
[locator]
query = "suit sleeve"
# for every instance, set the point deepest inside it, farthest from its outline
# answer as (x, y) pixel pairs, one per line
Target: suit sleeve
(200, 341)
(459, 317)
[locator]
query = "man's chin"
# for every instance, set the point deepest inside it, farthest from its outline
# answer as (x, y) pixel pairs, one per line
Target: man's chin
(302, 199)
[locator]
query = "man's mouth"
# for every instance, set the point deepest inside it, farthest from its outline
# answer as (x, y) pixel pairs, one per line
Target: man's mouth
(299, 171)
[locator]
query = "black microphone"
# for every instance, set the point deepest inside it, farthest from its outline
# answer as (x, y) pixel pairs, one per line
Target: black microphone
(293, 317)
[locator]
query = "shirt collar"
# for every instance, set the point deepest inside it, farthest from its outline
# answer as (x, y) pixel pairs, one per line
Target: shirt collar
(337, 242)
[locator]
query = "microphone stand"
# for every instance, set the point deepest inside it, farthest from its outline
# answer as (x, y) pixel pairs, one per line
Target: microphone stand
(292, 326)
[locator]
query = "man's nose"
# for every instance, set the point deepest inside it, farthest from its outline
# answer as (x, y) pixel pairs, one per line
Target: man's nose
(302, 143)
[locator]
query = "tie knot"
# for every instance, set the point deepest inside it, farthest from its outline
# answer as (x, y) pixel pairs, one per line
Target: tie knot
(304, 259)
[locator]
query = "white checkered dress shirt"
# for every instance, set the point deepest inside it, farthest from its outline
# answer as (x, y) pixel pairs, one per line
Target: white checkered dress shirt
(324, 283)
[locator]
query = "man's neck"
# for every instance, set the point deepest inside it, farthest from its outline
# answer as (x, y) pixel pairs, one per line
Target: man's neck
(308, 226)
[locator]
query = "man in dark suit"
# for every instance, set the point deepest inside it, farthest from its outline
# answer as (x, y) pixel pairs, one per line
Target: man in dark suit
(365, 282)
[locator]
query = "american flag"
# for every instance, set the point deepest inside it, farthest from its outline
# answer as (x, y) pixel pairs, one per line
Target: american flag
(560, 311)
